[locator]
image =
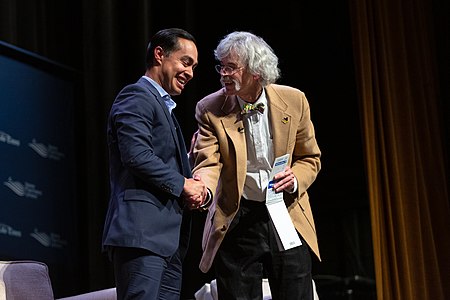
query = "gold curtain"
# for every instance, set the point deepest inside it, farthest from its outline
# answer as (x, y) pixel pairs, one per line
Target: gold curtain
(397, 78)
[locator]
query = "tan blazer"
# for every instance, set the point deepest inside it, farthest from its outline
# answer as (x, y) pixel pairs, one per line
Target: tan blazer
(221, 160)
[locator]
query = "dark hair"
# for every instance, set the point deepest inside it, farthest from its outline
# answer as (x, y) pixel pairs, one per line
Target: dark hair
(167, 39)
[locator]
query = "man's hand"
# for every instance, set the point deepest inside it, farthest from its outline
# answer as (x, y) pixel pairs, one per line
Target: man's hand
(285, 181)
(194, 192)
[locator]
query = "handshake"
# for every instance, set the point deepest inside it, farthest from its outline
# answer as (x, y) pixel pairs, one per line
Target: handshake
(195, 193)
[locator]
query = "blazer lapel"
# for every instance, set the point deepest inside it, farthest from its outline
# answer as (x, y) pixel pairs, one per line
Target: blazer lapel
(234, 128)
(179, 140)
(174, 129)
(280, 121)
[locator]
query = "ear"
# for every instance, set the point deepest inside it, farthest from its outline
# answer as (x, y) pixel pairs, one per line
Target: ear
(158, 54)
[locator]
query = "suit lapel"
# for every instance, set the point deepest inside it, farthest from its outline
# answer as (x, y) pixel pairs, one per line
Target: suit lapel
(234, 128)
(179, 140)
(280, 121)
(174, 129)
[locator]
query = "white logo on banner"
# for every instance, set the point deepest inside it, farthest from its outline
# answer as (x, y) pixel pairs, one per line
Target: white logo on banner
(52, 240)
(6, 138)
(23, 189)
(8, 230)
(50, 151)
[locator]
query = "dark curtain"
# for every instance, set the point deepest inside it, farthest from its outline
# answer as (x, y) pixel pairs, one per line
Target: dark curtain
(403, 108)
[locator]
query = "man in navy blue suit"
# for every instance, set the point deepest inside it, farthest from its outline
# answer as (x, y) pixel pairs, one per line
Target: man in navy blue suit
(147, 224)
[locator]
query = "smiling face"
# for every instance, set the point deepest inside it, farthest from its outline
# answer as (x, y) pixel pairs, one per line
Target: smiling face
(239, 81)
(173, 71)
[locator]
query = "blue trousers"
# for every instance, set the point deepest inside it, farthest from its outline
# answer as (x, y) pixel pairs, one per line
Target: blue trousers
(143, 275)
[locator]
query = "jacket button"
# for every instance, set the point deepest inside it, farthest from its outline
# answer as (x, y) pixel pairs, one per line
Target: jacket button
(223, 228)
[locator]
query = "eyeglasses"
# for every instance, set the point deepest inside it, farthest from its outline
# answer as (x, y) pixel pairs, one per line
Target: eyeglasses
(226, 70)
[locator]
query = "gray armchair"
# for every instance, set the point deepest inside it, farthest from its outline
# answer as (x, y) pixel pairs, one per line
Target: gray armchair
(30, 280)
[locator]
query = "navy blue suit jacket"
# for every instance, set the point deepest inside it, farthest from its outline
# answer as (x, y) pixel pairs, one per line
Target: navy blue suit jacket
(148, 163)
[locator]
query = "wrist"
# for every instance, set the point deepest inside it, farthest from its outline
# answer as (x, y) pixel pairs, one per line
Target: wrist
(207, 202)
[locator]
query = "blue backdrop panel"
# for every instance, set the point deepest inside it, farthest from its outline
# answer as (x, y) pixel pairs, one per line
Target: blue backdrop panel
(38, 215)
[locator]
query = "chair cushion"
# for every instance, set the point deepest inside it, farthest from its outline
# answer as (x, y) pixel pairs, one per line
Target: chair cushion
(25, 279)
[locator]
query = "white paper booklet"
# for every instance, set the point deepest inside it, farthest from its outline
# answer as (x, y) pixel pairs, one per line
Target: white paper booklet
(278, 212)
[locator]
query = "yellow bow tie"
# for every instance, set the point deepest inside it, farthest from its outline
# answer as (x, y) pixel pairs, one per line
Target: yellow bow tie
(248, 107)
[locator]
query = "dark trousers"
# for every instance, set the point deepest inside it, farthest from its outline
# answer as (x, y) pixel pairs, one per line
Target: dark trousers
(249, 252)
(140, 274)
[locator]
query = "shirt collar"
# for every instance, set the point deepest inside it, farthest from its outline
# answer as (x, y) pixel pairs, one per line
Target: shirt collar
(166, 97)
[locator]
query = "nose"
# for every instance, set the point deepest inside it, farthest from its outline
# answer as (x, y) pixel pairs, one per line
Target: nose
(189, 73)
